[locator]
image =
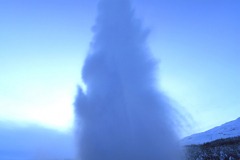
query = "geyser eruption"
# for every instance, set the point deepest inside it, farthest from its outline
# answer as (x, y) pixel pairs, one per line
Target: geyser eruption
(122, 116)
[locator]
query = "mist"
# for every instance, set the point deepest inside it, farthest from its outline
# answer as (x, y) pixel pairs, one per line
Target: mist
(33, 141)
(122, 115)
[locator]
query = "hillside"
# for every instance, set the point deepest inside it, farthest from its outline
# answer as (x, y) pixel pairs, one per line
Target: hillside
(221, 149)
(219, 143)
(227, 130)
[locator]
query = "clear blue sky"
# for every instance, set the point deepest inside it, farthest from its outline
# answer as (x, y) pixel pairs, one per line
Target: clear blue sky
(43, 44)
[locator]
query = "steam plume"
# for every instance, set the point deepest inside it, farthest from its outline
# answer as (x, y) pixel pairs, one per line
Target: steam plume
(122, 116)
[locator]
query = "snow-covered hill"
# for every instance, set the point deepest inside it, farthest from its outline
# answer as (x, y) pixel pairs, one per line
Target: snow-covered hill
(229, 129)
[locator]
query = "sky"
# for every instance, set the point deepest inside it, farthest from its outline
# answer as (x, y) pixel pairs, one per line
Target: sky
(43, 44)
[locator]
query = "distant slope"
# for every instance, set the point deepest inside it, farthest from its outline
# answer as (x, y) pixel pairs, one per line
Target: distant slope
(229, 129)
